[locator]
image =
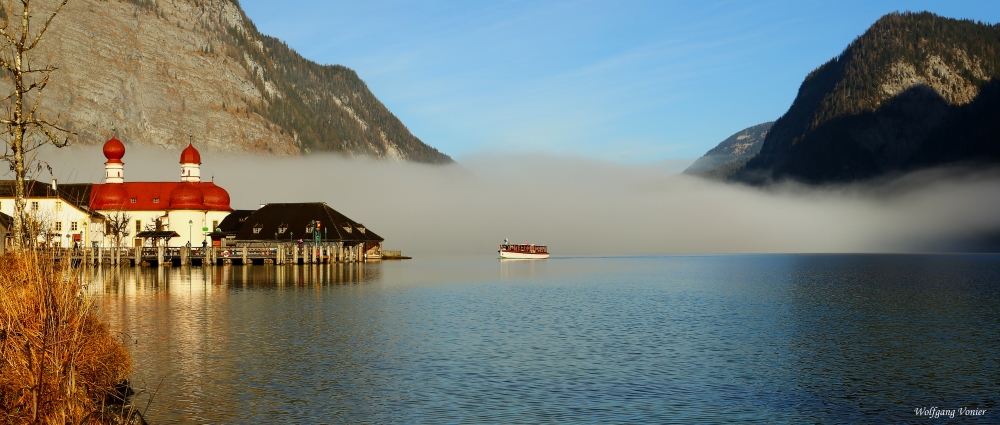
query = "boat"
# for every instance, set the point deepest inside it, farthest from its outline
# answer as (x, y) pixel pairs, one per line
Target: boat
(523, 251)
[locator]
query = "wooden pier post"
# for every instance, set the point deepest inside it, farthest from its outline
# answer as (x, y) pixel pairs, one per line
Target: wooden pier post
(295, 255)
(159, 256)
(138, 255)
(205, 261)
(279, 252)
(185, 256)
(244, 255)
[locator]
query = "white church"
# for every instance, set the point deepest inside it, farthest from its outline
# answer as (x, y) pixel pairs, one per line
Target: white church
(78, 214)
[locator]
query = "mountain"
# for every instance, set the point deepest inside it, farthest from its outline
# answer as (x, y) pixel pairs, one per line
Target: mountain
(732, 154)
(164, 72)
(916, 90)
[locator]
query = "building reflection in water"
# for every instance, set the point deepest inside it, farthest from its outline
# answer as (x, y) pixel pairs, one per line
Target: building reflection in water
(181, 324)
(146, 280)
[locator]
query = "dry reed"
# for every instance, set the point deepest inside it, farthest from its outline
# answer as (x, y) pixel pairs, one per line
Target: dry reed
(59, 362)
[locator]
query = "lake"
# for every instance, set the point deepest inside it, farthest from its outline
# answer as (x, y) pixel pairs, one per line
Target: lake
(658, 339)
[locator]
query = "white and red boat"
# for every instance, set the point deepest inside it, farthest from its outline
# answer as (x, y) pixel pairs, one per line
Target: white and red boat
(524, 251)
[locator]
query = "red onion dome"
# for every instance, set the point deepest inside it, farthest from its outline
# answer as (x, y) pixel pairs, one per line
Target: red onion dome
(114, 150)
(190, 155)
(187, 196)
(216, 198)
(109, 196)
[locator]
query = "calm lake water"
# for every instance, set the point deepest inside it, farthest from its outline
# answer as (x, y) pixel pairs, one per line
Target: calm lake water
(668, 339)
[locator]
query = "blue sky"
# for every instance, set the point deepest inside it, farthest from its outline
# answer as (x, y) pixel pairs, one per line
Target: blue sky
(624, 81)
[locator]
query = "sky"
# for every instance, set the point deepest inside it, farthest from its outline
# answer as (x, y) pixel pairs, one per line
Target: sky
(570, 122)
(628, 82)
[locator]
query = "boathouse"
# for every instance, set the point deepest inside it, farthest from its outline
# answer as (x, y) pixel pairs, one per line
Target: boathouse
(312, 224)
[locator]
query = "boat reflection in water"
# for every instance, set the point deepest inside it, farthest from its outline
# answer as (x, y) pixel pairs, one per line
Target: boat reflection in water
(515, 270)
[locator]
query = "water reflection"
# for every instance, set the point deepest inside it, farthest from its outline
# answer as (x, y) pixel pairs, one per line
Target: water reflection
(131, 281)
(188, 333)
(751, 339)
(518, 269)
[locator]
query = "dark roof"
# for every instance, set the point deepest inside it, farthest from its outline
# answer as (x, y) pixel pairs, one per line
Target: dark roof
(157, 234)
(234, 221)
(77, 194)
(295, 218)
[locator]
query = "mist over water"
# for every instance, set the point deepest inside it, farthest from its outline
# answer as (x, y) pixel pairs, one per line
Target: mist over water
(583, 206)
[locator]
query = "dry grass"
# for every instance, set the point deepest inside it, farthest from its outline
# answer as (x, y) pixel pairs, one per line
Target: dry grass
(58, 362)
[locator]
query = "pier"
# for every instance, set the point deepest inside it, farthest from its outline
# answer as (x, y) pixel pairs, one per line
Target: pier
(238, 255)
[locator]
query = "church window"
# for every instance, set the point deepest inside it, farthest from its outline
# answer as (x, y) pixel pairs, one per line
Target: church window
(215, 224)
(282, 229)
(58, 206)
(73, 226)
(58, 226)
(257, 227)
(133, 200)
(34, 205)
(138, 226)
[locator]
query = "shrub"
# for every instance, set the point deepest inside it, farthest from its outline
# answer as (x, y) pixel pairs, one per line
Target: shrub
(59, 363)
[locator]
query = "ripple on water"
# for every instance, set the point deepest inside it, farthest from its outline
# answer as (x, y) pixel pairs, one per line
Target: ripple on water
(750, 339)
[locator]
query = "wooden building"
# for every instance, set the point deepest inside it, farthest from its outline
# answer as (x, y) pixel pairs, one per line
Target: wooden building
(300, 225)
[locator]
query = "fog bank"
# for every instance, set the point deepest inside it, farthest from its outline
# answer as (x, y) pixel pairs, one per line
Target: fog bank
(583, 206)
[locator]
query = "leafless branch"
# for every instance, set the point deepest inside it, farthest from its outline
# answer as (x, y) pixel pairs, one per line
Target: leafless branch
(46, 26)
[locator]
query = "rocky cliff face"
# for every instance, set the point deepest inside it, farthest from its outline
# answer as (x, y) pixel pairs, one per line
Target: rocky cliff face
(164, 72)
(916, 90)
(732, 154)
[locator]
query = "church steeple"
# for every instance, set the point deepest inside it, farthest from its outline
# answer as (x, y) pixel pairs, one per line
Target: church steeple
(114, 169)
(190, 165)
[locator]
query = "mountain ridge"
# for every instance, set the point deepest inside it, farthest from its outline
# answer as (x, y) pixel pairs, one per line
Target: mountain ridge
(731, 154)
(165, 73)
(893, 101)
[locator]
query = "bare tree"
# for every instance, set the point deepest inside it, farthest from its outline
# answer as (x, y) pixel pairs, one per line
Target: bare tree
(38, 227)
(117, 226)
(24, 128)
